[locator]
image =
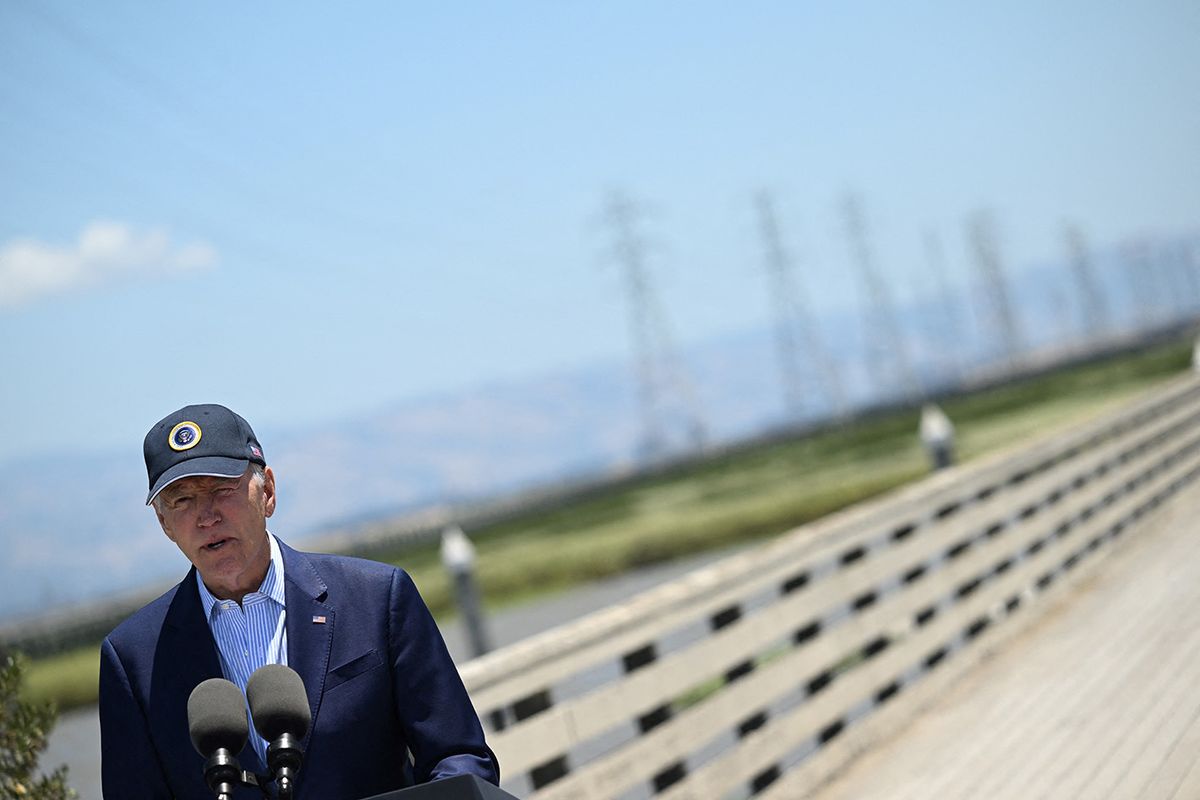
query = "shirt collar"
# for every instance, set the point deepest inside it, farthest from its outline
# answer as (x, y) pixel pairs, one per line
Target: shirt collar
(272, 585)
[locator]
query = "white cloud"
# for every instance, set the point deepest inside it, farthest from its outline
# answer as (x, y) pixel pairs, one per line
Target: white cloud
(106, 252)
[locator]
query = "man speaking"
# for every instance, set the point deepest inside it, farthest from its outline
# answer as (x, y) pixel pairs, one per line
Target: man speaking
(388, 707)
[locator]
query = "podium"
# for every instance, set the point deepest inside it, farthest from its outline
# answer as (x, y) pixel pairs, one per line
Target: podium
(460, 787)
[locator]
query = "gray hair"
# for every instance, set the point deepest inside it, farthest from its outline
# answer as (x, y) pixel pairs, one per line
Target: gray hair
(258, 473)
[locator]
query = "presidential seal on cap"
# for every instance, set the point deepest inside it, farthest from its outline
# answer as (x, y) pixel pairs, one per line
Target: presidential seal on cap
(199, 440)
(185, 436)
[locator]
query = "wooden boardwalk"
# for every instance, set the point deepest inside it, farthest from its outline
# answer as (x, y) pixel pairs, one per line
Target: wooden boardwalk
(1098, 699)
(1051, 585)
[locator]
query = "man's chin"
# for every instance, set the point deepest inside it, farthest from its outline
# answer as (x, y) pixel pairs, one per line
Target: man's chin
(221, 571)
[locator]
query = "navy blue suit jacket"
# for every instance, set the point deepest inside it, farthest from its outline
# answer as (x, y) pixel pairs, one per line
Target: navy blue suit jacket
(380, 684)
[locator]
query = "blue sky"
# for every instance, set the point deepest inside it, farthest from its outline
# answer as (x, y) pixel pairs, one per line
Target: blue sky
(304, 210)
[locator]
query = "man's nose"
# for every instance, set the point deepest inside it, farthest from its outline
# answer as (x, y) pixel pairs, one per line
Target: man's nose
(208, 513)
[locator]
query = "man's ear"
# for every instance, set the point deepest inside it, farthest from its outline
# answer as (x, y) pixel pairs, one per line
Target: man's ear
(268, 489)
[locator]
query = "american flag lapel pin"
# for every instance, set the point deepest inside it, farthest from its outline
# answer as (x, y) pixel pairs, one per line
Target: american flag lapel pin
(318, 619)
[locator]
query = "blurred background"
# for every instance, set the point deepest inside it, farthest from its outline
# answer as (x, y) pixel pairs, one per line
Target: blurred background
(520, 266)
(436, 254)
(454, 260)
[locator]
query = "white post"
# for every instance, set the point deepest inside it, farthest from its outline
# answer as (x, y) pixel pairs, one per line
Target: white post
(458, 557)
(937, 434)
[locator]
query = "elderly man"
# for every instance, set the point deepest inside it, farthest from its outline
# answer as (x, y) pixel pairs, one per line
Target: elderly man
(388, 707)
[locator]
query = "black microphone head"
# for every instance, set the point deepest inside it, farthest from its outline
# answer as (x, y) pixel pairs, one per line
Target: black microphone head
(278, 702)
(217, 717)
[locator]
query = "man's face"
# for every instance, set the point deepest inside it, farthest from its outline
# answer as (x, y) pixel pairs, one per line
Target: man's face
(220, 524)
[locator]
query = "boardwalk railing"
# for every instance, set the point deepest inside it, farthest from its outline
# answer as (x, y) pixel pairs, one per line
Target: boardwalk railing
(765, 673)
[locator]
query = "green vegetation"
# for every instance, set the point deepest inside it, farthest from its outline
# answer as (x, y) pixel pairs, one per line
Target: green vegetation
(67, 680)
(731, 498)
(740, 496)
(24, 729)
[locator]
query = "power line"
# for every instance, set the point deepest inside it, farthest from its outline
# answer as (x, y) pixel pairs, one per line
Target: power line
(888, 359)
(792, 320)
(1185, 265)
(1092, 302)
(135, 186)
(993, 281)
(1144, 282)
(666, 400)
(229, 176)
(950, 337)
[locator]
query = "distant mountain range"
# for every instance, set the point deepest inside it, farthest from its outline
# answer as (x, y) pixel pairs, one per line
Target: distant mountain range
(498, 438)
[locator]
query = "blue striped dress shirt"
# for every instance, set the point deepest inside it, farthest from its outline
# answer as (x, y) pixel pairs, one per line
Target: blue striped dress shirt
(252, 634)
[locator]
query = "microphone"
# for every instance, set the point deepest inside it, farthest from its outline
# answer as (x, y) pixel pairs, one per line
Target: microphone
(218, 727)
(279, 706)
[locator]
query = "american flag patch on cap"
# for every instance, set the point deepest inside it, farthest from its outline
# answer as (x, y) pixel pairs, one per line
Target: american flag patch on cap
(319, 619)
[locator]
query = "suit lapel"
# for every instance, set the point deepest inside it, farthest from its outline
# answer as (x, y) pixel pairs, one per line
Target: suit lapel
(192, 638)
(186, 655)
(310, 623)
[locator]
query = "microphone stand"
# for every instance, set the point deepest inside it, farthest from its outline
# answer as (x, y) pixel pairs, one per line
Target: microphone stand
(283, 759)
(222, 773)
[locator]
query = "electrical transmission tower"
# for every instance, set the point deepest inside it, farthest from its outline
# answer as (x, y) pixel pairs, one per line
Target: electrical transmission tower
(1176, 279)
(1185, 265)
(888, 360)
(666, 401)
(1092, 302)
(951, 335)
(795, 335)
(1143, 279)
(994, 283)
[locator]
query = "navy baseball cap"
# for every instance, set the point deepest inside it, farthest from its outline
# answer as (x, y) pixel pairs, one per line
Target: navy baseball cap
(199, 440)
